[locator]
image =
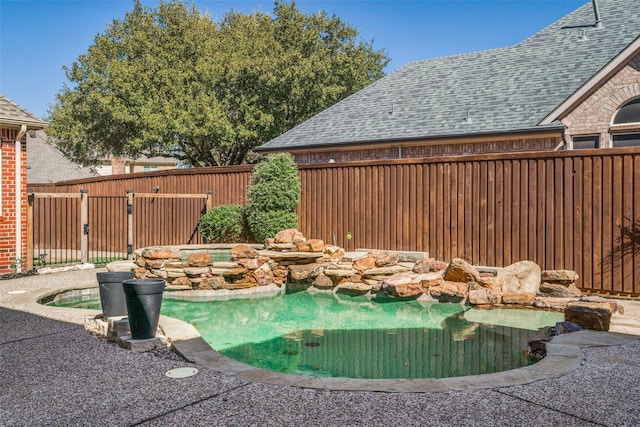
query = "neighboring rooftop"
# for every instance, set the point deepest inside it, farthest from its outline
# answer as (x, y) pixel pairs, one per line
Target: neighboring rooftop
(490, 92)
(46, 163)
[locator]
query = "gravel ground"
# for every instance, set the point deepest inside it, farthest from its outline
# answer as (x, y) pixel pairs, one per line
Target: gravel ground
(54, 373)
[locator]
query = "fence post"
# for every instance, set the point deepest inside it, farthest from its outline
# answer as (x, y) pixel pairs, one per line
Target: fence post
(30, 246)
(209, 201)
(84, 226)
(130, 225)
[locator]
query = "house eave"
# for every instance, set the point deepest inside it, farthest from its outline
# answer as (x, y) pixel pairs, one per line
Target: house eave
(16, 123)
(542, 130)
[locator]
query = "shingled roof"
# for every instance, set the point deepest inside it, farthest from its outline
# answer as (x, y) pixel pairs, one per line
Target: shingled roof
(489, 92)
(14, 115)
(46, 163)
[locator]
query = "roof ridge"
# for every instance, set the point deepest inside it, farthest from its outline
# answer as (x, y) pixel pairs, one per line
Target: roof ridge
(456, 55)
(554, 23)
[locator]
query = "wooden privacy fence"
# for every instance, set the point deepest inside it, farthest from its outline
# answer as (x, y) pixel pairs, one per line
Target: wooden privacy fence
(578, 210)
(67, 228)
(573, 210)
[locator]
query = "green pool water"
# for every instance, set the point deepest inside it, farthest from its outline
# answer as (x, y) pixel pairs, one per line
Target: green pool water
(333, 335)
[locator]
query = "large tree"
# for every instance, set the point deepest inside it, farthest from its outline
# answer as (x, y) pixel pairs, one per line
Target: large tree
(171, 80)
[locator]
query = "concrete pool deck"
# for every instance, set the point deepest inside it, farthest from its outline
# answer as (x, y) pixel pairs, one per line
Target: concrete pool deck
(53, 372)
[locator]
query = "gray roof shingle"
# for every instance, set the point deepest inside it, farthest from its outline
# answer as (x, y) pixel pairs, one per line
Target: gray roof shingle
(46, 163)
(501, 90)
(13, 114)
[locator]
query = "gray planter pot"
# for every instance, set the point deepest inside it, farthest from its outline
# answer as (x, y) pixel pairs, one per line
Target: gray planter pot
(111, 293)
(144, 299)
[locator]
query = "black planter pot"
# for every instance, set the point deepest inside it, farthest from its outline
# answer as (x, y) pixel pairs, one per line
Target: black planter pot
(112, 294)
(144, 299)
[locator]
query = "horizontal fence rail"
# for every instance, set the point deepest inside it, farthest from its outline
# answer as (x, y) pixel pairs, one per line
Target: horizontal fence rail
(576, 210)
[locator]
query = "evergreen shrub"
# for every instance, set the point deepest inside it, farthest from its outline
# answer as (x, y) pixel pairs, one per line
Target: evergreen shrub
(272, 196)
(224, 224)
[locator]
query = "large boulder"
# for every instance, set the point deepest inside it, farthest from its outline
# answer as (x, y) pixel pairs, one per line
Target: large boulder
(300, 273)
(290, 235)
(613, 304)
(311, 245)
(461, 271)
(242, 252)
(199, 259)
(403, 286)
(323, 282)
(385, 258)
(484, 296)
(450, 291)
(559, 276)
(213, 282)
(428, 280)
(365, 263)
(523, 276)
(334, 253)
(589, 315)
(559, 290)
(426, 265)
(490, 282)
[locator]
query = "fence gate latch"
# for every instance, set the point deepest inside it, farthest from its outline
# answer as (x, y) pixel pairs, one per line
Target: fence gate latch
(85, 228)
(129, 209)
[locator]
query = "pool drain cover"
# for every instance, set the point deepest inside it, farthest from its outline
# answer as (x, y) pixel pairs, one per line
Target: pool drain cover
(181, 372)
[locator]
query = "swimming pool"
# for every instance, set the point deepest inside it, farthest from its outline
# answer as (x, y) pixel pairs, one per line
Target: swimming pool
(333, 335)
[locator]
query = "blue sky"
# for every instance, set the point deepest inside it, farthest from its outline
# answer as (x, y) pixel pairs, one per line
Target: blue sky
(39, 37)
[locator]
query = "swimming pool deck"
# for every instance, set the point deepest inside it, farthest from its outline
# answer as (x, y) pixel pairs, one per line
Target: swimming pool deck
(53, 372)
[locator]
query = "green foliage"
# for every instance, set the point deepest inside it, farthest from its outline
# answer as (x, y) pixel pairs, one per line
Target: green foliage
(274, 185)
(171, 80)
(272, 196)
(265, 224)
(224, 224)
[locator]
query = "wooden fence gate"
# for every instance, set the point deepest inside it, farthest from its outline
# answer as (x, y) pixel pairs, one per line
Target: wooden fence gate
(73, 228)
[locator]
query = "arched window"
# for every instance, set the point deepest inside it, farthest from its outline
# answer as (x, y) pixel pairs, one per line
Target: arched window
(629, 113)
(627, 116)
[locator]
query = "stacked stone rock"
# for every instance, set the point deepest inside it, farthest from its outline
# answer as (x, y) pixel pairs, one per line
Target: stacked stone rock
(311, 263)
(302, 263)
(361, 273)
(196, 271)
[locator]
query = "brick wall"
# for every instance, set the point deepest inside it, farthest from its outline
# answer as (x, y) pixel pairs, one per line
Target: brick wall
(452, 148)
(594, 115)
(118, 166)
(8, 208)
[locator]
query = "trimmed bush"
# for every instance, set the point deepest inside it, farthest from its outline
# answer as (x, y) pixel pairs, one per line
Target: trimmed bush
(274, 185)
(272, 196)
(265, 224)
(224, 224)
